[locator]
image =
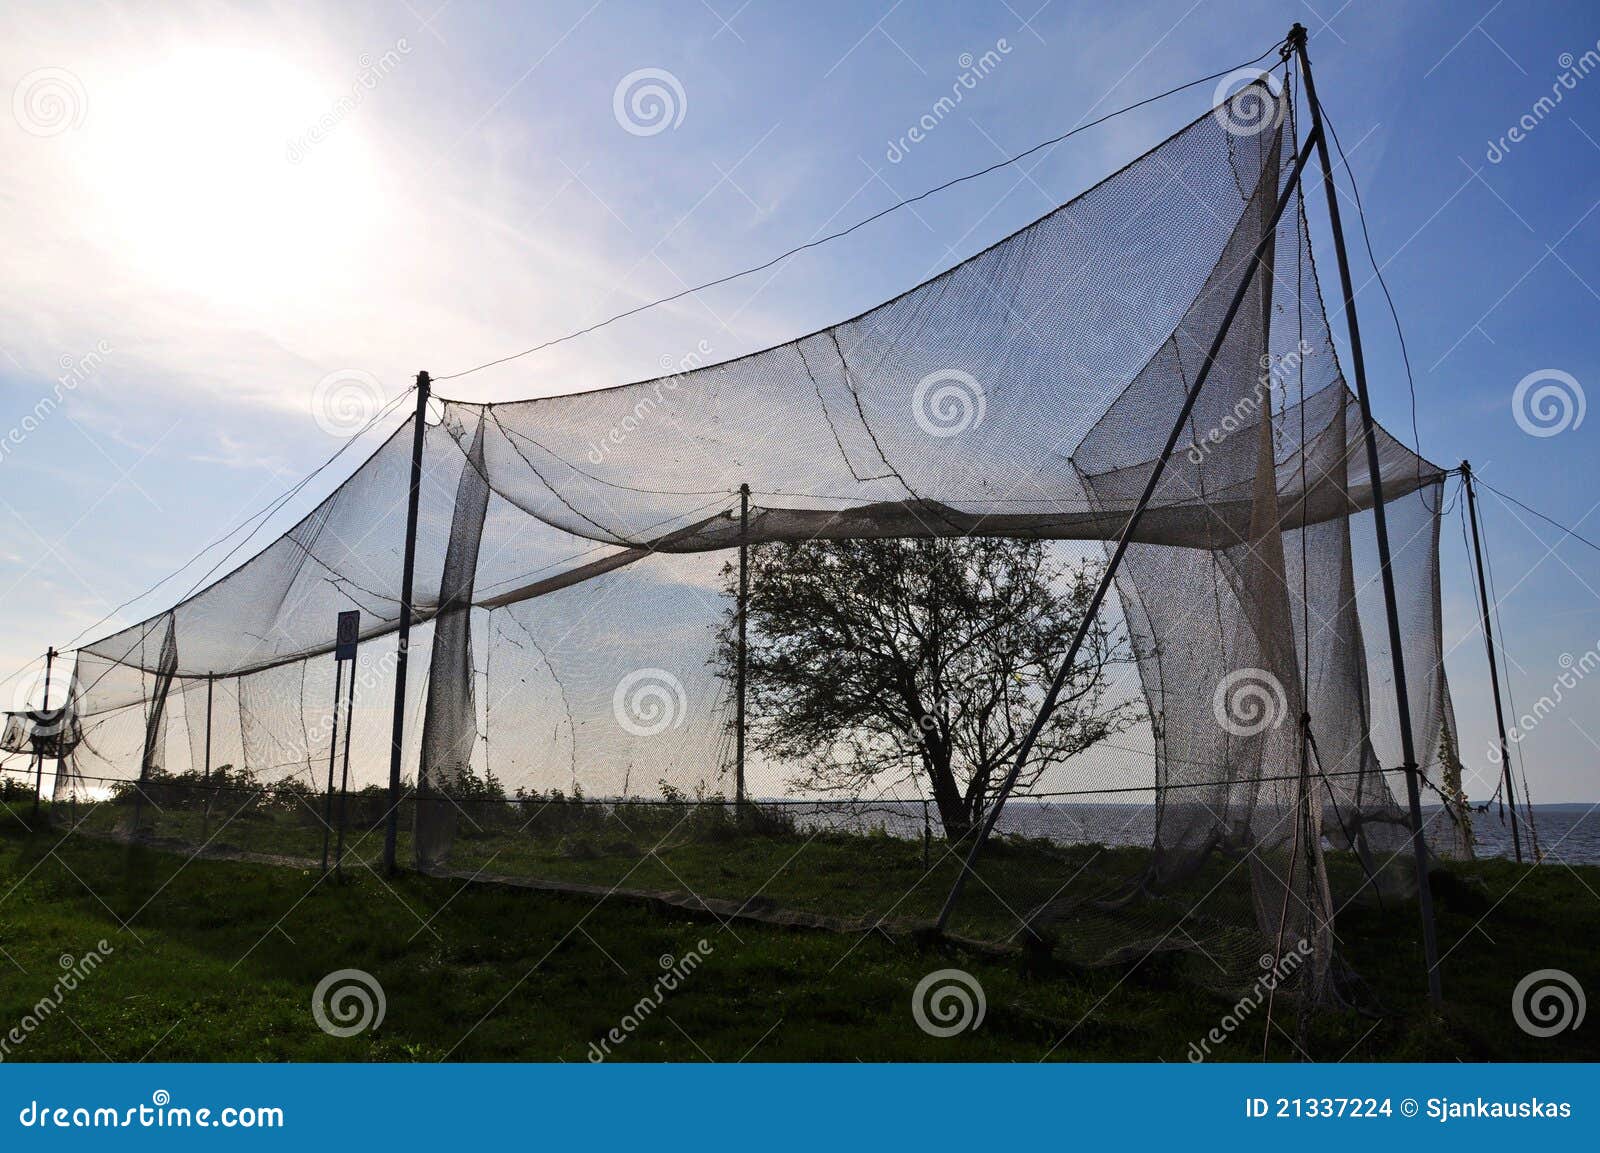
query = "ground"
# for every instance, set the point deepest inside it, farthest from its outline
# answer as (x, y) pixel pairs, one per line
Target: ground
(217, 960)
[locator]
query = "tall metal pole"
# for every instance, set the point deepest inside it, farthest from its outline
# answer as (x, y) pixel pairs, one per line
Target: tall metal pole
(205, 812)
(344, 777)
(1408, 752)
(1126, 538)
(391, 832)
(333, 758)
(211, 684)
(1494, 674)
(744, 655)
(38, 751)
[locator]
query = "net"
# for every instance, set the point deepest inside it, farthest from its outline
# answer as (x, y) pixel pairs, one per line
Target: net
(940, 476)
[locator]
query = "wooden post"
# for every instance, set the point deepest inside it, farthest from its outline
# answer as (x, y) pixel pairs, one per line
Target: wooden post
(1126, 537)
(391, 830)
(1494, 673)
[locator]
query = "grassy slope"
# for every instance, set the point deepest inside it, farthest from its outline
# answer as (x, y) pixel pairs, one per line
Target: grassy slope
(218, 960)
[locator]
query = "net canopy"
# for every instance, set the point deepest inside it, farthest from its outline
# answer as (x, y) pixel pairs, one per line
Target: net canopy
(573, 714)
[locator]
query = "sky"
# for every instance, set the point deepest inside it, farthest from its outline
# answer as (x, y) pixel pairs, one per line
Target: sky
(233, 231)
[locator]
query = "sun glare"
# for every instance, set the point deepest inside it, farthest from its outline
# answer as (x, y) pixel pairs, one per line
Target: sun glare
(202, 180)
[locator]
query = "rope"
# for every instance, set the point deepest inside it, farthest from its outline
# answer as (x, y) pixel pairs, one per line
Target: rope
(1377, 271)
(178, 782)
(1522, 760)
(843, 232)
(1567, 532)
(261, 516)
(1472, 581)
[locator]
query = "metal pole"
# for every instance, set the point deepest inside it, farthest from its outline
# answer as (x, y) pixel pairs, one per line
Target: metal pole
(205, 812)
(344, 777)
(38, 750)
(927, 836)
(1494, 674)
(333, 757)
(744, 655)
(38, 776)
(391, 830)
(1419, 847)
(211, 683)
(1126, 537)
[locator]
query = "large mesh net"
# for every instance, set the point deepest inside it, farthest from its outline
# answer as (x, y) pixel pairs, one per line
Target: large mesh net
(914, 503)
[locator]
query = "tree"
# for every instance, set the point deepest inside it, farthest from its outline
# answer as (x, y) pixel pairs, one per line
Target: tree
(876, 660)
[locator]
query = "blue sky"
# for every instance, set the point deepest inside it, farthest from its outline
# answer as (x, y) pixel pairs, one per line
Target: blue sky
(200, 253)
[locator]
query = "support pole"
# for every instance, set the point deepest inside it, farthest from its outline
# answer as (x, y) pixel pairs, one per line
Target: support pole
(205, 813)
(154, 719)
(211, 684)
(1419, 847)
(38, 752)
(333, 758)
(344, 778)
(391, 831)
(744, 654)
(1126, 537)
(1494, 674)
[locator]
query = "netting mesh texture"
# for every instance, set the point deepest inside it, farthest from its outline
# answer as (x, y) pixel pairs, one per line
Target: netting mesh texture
(572, 715)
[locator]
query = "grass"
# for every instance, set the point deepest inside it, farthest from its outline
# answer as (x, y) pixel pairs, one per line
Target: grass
(216, 960)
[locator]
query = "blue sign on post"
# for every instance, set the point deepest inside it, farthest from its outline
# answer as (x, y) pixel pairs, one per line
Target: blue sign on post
(345, 638)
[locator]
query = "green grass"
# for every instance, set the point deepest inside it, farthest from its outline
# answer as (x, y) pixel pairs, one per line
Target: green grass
(216, 960)
(703, 849)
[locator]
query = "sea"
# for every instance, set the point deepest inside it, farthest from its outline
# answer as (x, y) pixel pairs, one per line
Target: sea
(1566, 833)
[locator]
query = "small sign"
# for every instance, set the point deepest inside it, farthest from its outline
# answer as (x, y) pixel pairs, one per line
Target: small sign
(349, 632)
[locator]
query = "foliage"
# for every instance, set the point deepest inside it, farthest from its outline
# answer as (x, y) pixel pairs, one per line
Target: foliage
(871, 661)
